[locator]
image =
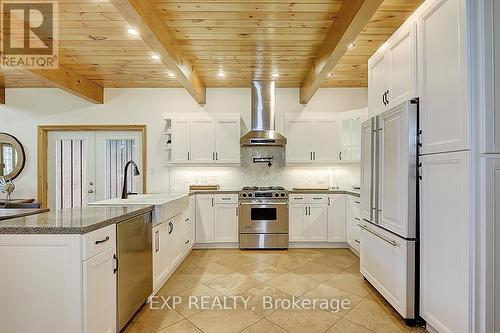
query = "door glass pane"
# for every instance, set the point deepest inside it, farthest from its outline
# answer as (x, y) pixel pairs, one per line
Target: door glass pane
(71, 166)
(118, 153)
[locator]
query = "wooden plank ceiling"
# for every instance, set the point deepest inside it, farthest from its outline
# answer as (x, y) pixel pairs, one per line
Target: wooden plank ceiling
(244, 39)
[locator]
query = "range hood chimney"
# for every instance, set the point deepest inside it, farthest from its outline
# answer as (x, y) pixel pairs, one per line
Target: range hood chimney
(263, 128)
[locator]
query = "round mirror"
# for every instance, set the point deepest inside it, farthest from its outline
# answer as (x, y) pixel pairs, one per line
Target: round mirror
(12, 156)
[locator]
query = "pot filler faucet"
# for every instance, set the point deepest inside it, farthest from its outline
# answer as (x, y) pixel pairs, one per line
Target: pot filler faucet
(125, 192)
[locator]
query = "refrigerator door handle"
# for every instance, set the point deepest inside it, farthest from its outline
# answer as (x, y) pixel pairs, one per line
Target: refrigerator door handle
(387, 240)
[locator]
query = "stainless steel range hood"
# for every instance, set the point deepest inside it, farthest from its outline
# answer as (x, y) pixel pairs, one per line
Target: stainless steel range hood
(263, 101)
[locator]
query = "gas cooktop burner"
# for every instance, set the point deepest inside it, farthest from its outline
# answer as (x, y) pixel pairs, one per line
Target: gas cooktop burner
(263, 188)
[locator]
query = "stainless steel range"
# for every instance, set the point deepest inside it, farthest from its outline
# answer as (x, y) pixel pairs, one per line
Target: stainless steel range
(263, 218)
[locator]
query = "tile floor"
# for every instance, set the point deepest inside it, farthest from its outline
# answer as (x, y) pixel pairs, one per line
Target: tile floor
(215, 277)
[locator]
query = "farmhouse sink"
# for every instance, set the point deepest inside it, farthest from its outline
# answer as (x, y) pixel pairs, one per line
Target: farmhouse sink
(166, 206)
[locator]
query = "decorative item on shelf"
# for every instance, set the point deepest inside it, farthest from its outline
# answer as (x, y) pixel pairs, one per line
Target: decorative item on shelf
(7, 186)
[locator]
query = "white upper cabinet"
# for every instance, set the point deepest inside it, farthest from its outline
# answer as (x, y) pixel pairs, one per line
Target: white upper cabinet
(442, 63)
(227, 133)
(299, 141)
(377, 83)
(313, 141)
(351, 140)
(392, 75)
(203, 140)
(401, 65)
(181, 141)
(326, 143)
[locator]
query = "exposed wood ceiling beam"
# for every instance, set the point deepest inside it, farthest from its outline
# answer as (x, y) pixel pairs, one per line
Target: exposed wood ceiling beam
(65, 79)
(353, 17)
(72, 82)
(144, 17)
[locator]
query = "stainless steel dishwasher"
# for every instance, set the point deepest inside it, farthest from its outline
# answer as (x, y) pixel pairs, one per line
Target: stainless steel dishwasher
(135, 266)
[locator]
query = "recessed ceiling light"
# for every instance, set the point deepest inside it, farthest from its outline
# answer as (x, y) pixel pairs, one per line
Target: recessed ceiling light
(221, 74)
(330, 75)
(275, 75)
(132, 31)
(350, 46)
(170, 74)
(155, 56)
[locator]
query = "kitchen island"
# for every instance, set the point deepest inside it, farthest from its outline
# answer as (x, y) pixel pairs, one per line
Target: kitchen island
(58, 269)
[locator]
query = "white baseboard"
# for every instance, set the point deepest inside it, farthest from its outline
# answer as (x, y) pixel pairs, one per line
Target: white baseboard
(203, 246)
(316, 245)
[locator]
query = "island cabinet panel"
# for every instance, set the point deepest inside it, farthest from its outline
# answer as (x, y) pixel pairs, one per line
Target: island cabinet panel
(99, 290)
(41, 283)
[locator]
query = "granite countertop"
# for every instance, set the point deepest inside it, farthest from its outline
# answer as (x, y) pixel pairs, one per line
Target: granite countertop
(352, 192)
(79, 220)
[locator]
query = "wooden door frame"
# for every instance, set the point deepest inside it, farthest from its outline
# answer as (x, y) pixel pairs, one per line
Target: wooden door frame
(43, 134)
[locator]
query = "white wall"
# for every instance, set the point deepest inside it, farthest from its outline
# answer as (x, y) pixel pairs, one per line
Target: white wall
(29, 107)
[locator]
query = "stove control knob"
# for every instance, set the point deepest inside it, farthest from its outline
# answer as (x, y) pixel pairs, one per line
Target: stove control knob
(250, 195)
(244, 195)
(276, 194)
(282, 195)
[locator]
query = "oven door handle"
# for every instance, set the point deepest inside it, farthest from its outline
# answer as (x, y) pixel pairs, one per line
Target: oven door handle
(263, 203)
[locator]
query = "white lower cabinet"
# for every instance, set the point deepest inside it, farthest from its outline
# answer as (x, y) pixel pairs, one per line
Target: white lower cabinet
(160, 259)
(352, 220)
(189, 229)
(386, 262)
(99, 290)
(444, 239)
(205, 218)
(297, 222)
(317, 223)
(216, 218)
(308, 223)
(226, 223)
(336, 218)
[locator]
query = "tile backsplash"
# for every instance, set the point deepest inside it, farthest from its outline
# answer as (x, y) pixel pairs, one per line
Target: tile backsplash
(261, 174)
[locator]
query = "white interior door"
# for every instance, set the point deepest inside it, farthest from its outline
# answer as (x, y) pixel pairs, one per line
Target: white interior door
(71, 169)
(113, 150)
(397, 182)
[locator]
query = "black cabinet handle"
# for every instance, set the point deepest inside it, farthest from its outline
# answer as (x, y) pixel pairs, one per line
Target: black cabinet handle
(102, 241)
(186, 242)
(171, 227)
(387, 96)
(116, 263)
(216, 156)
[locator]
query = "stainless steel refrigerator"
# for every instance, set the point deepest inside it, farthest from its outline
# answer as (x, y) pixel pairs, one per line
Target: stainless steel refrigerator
(389, 195)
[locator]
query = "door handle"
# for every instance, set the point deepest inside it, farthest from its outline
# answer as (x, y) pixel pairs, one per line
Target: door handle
(102, 241)
(387, 240)
(311, 156)
(116, 263)
(314, 155)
